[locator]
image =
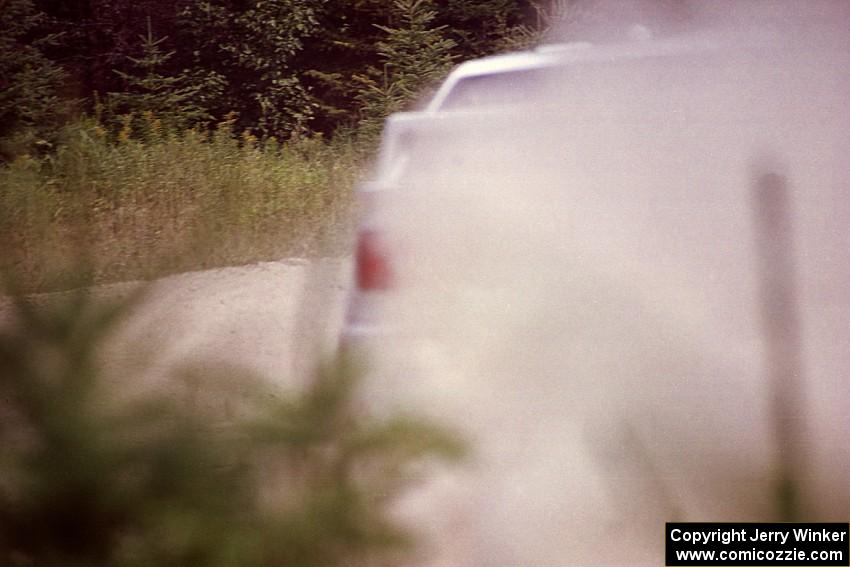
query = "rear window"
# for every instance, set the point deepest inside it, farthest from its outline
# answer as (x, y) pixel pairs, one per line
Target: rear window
(496, 90)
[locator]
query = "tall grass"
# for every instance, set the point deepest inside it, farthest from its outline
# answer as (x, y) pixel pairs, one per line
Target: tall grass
(147, 201)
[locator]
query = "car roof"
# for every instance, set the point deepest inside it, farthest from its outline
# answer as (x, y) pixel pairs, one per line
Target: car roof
(556, 55)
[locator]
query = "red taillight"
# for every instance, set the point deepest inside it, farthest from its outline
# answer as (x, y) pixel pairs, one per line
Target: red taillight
(373, 264)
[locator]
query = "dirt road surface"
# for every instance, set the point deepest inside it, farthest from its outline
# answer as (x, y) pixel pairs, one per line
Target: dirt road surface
(272, 319)
(269, 319)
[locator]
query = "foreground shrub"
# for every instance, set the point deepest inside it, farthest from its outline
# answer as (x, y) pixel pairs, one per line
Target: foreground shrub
(92, 477)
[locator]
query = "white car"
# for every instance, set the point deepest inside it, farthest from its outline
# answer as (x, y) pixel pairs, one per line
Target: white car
(622, 271)
(482, 93)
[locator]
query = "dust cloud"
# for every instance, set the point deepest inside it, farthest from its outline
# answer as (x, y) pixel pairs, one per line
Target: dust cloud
(589, 290)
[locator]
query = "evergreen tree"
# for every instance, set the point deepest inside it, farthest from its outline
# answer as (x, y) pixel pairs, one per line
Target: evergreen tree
(171, 99)
(100, 36)
(30, 106)
(415, 55)
(484, 27)
(343, 45)
(349, 34)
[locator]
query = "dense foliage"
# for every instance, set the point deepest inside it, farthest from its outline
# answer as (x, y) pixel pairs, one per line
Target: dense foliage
(283, 68)
(30, 83)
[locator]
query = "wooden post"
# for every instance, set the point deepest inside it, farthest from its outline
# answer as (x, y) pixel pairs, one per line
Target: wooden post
(781, 327)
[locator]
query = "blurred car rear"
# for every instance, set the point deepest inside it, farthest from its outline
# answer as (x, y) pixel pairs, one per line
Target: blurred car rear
(578, 285)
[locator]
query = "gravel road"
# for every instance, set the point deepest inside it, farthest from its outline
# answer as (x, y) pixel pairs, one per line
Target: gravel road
(270, 319)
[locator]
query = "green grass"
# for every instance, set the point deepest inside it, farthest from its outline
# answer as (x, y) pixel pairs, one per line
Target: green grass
(152, 202)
